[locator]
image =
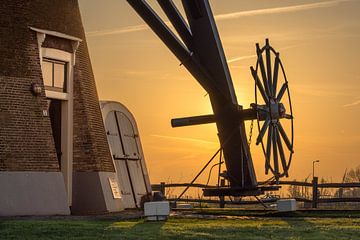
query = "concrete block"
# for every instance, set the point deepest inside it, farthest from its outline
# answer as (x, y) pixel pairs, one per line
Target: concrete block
(32, 193)
(286, 205)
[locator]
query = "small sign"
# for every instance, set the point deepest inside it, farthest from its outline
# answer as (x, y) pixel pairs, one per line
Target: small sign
(45, 113)
(114, 188)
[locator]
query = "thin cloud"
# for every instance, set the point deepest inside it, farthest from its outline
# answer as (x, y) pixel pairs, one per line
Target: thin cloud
(241, 58)
(357, 102)
(287, 9)
(192, 140)
(128, 29)
(228, 16)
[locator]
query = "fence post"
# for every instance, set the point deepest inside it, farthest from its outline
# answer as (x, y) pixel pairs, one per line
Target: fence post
(315, 196)
(222, 198)
(162, 188)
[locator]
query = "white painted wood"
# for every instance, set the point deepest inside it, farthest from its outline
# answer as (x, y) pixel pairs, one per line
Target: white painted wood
(135, 172)
(128, 136)
(67, 115)
(137, 180)
(57, 95)
(56, 34)
(124, 184)
(113, 136)
(67, 100)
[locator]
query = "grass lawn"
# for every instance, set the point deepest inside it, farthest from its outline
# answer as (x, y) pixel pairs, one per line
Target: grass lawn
(244, 227)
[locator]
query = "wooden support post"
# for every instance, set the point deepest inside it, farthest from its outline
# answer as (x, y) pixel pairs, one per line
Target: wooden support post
(162, 188)
(222, 198)
(315, 192)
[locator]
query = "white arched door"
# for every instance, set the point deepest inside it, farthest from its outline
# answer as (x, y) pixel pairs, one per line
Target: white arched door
(123, 141)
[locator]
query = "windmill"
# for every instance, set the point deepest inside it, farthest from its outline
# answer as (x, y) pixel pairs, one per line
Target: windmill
(199, 49)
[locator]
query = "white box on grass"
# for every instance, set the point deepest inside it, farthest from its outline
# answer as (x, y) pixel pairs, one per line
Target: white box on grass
(286, 205)
(157, 211)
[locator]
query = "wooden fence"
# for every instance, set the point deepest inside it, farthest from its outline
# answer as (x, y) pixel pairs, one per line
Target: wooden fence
(315, 200)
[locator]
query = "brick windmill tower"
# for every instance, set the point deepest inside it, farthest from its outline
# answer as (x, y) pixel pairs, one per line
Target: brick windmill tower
(54, 155)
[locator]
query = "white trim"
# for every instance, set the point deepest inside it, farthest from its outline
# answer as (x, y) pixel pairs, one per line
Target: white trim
(57, 95)
(57, 55)
(56, 34)
(67, 115)
(67, 98)
(41, 36)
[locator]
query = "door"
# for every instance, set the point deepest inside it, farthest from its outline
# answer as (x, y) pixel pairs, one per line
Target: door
(117, 151)
(128, 136)
(133, 158)
(125, 184)
(125, 150)
(137, 176)
(55, 119)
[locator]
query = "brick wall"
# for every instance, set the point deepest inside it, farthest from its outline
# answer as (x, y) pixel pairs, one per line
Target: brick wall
(25, 134)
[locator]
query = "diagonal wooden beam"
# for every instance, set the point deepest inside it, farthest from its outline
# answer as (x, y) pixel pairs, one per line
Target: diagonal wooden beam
(208, 47)
(186, 57)
(177, 21)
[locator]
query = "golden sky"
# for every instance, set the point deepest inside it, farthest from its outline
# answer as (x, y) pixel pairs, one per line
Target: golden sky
(319, 46)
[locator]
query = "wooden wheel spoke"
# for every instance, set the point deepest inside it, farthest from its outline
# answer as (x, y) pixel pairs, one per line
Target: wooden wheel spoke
(262, 131)
(268, 67)
(281, 152)
(268, 149)
(285, 138)
(275, 152)
(288, 116)
(259, 85)
(281, 92)
(262, 69)
(276, 73)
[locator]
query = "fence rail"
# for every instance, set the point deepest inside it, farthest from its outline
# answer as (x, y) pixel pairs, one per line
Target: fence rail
(314, 185)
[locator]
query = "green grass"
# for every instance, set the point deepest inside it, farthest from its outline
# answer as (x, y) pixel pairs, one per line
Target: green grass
(185, 228)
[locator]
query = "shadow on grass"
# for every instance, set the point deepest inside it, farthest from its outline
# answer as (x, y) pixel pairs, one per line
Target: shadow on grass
(137, 229)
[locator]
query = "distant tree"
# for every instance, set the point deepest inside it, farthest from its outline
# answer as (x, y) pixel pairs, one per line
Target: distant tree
(299, 191)
(294, 191)
(324, 191)
(353, 175)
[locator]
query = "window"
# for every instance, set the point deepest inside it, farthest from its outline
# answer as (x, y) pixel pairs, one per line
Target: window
(54, 75)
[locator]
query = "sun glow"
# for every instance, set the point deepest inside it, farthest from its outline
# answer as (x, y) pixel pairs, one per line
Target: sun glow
(133, 66)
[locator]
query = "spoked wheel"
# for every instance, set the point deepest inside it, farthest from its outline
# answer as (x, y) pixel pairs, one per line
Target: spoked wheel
(274, 123)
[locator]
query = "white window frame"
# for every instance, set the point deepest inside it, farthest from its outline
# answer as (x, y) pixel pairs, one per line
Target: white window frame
(53, 63)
